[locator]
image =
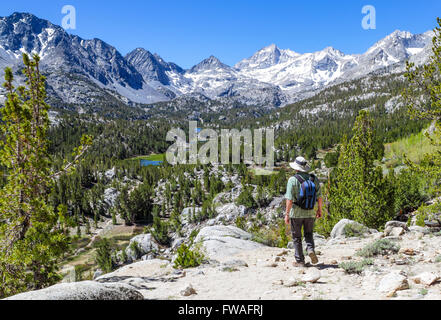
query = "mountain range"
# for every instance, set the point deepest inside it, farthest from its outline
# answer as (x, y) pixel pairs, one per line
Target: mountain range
(83, 71)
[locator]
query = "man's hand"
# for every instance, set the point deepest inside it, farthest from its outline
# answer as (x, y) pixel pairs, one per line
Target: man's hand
(287, 219)
(318, 214)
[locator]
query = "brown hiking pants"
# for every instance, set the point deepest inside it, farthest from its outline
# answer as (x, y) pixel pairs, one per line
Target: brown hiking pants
(308, 230)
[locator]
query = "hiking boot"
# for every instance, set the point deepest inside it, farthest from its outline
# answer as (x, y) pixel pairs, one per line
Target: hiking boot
(300, 264)
(314, 259)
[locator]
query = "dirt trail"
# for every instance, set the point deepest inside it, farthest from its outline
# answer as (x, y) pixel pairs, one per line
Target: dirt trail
(270, 270)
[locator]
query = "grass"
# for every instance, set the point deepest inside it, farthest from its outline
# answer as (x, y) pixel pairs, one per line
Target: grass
(152, 157)
(262, 172)
(415, 147)
(84, 262)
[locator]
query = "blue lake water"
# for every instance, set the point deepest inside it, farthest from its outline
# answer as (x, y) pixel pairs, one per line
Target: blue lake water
(146, 163)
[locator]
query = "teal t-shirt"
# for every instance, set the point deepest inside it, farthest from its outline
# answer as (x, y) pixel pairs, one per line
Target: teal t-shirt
(292, 192)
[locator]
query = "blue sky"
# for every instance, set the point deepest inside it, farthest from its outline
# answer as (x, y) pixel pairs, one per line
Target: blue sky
(186, 32)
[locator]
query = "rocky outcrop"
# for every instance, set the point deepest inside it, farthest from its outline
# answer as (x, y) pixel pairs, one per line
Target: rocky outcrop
(141, 269)
(346, 227)
(141, 245)
(86, 290)
(110, 196)
(395, 229)
(228, 213)
(221, 241)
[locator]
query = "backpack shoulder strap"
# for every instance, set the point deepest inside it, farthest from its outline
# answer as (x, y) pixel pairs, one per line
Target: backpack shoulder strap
(299, 178)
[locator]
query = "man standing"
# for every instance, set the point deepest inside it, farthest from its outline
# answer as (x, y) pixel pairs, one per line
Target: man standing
(302, 192)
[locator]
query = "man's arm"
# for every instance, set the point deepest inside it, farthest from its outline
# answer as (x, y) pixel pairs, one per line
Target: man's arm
(288, 210)
(320, 206)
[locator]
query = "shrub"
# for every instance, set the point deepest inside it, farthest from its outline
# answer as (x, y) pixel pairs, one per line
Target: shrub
(188, 258)
(272, 236)
(283, 238)
(240, 223)
(135, 248)
(408, 192)
(80, 273)
(193, 235)
(356, 267)
(427, 212)
(324, 225)
(420, 217)
(379, 247)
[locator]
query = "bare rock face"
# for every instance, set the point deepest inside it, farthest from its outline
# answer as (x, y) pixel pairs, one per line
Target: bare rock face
(85, 290)
(110, 196)
(225, 240)
(229, 212)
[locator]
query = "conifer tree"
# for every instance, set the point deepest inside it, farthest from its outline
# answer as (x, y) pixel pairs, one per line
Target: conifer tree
(358, 190)
(32, 232)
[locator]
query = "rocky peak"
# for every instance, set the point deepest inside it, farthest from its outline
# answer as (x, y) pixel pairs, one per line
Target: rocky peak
(264, 58)
(210, 63)
(151, 66)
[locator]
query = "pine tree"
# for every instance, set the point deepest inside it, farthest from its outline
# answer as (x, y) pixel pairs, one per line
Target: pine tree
(358, 190)
(103, 257)
(136, 206)
(246, 198)
(32, 235)
(160, 228)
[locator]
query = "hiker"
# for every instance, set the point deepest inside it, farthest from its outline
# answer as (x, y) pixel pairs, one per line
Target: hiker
(302, 193)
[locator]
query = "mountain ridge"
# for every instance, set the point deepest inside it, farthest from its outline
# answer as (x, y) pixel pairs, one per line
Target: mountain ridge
(271, 77)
